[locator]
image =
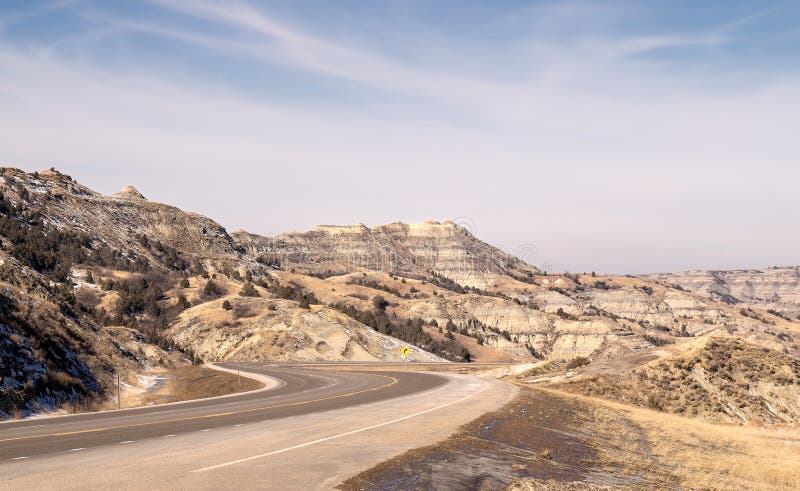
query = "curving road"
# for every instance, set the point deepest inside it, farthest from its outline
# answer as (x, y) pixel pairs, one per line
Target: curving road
(300, 391)
(311, 429)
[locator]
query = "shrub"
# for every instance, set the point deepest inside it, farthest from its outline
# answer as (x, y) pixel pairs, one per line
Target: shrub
(137, 296)
(248, 290)
(227, 305)
(653, 402)
(564, 315)
(379, 302)
(657, 340)
(212, 289)
(648, 290)
(577, 362)
(290, 292)
(375, 286)
(183, 303)
(185, 283)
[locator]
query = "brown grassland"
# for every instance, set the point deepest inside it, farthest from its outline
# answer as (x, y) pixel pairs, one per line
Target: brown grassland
(551, 439)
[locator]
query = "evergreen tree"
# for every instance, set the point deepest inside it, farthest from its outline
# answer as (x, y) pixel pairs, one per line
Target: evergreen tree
(212, 289)
(248, 290)
(379, 302)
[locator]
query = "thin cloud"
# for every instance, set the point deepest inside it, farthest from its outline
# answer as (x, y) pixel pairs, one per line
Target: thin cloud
(586, 147)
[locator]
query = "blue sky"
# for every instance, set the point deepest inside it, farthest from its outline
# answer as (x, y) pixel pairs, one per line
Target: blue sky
(612, 136)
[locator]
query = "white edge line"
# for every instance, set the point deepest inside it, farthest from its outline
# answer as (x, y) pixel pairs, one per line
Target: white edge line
(25, 427)
(340, 435)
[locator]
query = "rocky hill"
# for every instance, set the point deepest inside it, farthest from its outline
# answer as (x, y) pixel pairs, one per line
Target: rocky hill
(92, 285)
(265, 327)
(127, 283)
(125, 222)
(719, 379)
(555, 316)
(775, 289)
(419, 250)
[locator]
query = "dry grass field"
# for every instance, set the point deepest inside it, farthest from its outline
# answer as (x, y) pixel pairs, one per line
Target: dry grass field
(548, 439)
(696, 453)
(720, 379)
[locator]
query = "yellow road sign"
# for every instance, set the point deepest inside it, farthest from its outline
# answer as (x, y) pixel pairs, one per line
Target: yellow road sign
(406, 350)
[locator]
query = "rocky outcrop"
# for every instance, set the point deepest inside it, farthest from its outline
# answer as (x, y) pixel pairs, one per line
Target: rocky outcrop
(124, 221)
(412, 250)
(775, 289)
(585, 316)
(260, 329)
(129, 192)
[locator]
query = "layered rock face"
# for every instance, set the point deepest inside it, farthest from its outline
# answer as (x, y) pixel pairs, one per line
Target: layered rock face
(413, 250)
(776, 289)
(584, 315)
(122, 221)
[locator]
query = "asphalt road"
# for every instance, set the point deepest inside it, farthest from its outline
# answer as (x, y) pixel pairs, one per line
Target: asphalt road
(300, 391)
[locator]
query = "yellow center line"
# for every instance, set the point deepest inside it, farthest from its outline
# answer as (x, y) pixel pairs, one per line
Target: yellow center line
(207, 416)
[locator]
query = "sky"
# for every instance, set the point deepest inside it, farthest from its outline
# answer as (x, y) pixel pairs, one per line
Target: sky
(617, 137)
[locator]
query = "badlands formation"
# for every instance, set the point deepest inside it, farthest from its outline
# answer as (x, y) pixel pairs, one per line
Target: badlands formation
(90, 283)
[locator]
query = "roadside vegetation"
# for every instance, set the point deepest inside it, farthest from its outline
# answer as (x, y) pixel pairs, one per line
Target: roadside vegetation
(547, 439)
(723, 379)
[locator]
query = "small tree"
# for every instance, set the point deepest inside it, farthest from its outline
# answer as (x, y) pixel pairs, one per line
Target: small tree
(183, 304)
(212, 289)
(227, 305)
(248, 290)
(89, 277)
(577, 362)
(185, 283)
(379, 302)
